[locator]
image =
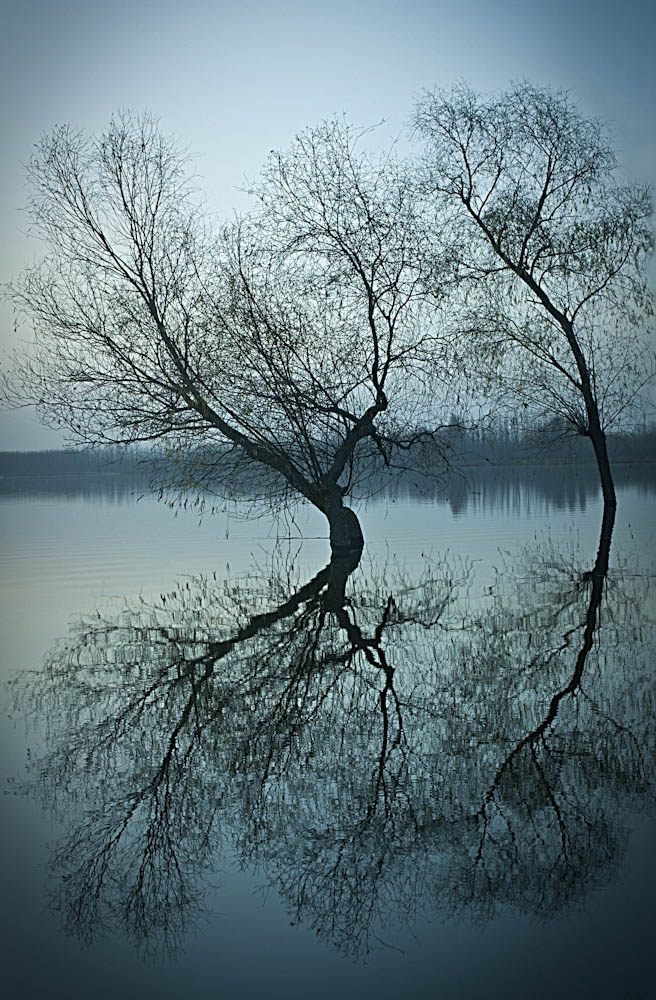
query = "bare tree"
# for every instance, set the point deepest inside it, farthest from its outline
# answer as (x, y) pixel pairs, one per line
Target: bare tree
(550, 246)
(289, 343)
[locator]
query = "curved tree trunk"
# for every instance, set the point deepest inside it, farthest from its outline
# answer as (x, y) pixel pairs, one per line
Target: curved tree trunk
(598, 439)
(345, 531)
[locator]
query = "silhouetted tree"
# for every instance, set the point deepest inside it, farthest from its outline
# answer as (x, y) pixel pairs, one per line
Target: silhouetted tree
(290, 344)
(550, 248)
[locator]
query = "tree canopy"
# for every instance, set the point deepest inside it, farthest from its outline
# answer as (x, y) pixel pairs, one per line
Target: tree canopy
(287, 338)
(549, 245)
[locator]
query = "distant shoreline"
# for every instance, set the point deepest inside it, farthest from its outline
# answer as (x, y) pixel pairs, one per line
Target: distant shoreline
(466, 452)
(487, 466)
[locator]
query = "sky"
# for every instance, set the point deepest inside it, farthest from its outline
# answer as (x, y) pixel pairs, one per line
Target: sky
(234, 80)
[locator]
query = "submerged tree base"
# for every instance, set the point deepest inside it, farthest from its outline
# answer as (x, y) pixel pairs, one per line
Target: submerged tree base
(345, 531)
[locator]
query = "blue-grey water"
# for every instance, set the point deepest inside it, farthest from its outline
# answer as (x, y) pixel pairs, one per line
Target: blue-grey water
(433, 789)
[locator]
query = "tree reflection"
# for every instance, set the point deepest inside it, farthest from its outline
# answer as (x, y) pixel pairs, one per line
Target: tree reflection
(377, 745)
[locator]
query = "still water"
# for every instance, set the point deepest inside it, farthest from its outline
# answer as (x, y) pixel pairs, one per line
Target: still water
(232, 771)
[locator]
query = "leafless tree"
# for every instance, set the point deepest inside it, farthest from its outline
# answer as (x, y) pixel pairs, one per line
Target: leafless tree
(550, 246)
(290, 343)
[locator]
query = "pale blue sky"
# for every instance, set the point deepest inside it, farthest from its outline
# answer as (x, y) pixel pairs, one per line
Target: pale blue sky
(234, 80)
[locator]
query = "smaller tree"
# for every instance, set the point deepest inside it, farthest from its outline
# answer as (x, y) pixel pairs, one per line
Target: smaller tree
(550, 249)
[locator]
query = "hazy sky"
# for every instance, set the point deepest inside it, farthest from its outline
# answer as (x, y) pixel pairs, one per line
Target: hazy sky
(234, 80)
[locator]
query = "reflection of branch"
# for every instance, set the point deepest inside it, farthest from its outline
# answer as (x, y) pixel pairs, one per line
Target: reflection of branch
(343, 740)
(597, 578)
(537, 735)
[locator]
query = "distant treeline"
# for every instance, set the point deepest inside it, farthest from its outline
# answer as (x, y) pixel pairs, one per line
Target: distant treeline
(463, 448)
(105, 462)
(549, 445)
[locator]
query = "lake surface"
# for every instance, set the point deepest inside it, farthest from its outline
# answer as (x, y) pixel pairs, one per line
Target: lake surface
(233, 772)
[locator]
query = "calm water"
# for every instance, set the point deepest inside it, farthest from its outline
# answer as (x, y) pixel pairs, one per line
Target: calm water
(225, 781)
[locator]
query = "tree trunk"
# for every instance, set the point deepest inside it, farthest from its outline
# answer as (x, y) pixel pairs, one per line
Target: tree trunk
(598, 439)
(345, 531)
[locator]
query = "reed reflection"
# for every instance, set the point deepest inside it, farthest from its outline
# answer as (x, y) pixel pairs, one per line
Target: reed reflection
(375, 744)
